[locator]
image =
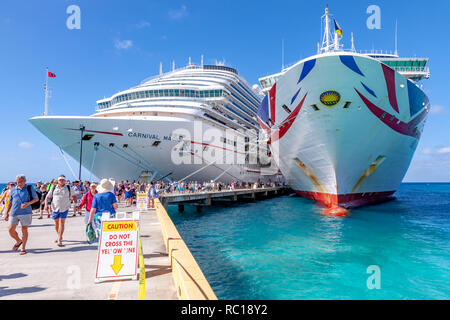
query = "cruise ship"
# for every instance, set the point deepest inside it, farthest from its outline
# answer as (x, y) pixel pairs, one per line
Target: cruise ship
(196, 123)
(343, 126)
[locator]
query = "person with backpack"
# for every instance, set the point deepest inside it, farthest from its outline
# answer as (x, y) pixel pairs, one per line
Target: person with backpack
(21, 198)
(61, 194)
(87, 202)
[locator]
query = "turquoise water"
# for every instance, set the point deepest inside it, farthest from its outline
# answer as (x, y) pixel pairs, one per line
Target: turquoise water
(285, 248)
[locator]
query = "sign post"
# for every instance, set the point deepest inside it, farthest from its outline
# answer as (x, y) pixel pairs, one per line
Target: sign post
(117, 256)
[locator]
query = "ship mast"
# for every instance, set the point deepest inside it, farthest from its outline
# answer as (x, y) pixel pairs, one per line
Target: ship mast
(329, 42)
(46, 93)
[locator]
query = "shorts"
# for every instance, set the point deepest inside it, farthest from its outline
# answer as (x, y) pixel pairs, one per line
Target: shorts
(153, 196)
(59, 215)
(24, 219)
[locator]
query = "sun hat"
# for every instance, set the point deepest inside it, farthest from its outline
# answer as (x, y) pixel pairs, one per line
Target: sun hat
(105, 186)
(62, 177)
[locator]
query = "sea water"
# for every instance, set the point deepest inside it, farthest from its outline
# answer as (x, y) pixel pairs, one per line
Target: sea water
(287, 248)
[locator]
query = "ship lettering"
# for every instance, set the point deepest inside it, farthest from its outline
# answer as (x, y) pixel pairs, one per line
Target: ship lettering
(152, 136)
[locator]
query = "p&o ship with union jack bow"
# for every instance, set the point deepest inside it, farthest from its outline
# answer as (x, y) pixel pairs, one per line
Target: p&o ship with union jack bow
(343, 126)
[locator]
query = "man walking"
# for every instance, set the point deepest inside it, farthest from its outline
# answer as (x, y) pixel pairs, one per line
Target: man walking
(61, 194)
(21, 199)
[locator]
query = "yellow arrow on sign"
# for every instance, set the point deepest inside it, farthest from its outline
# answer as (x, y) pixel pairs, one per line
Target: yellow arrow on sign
(117, 266)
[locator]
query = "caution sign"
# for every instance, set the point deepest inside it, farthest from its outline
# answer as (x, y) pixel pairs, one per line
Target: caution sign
(117, 256)
(141, 201)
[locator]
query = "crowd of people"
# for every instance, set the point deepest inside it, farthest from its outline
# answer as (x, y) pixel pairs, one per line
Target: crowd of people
(55, 198)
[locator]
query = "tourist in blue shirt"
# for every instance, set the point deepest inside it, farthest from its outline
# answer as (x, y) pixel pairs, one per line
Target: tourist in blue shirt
(21, 199)
(104, 201)
(128, 195)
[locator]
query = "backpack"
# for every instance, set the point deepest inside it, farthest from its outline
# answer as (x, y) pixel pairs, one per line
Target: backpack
(52, 190)
(37, 204)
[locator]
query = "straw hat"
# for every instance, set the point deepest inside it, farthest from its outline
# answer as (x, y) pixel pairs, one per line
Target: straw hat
(105, 186)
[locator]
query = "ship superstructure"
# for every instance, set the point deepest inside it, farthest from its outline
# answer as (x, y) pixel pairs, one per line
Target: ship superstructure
(194, 123)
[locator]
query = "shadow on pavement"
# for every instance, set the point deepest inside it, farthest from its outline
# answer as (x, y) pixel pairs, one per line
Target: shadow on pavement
(155, 255)
(158, 270)
(7, 292)
(41, 225)
(12, 276)
(73, 249)
(74, 242)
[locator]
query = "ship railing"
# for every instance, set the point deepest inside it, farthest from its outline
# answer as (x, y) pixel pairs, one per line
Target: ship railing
(383, 52)
(190, 67)
(129, 103)
(166, 73)
(412, 69)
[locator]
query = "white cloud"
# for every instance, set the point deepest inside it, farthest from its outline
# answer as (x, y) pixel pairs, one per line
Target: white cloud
(427, 151)
(444, 150)
(25, 145)
(437, 109)
(178, 13)
(143, 24)
(123, 44)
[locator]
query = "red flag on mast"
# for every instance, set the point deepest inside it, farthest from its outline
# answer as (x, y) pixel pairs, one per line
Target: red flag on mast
(51, 75)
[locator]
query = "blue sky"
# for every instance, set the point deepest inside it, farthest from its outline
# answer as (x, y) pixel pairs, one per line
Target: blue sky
(122, 42)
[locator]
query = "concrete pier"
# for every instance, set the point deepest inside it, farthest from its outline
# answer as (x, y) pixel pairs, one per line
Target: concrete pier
(52, 272)
(59, 273)
(207, 198)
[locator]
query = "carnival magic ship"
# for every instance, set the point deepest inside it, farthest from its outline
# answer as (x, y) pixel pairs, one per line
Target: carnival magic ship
(196, 123)
(343, 126)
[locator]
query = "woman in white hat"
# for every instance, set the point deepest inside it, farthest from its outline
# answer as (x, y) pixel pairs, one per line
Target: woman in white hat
(104, 201)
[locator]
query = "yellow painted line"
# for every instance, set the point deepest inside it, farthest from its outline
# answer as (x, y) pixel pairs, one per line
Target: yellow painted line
(141, 295)
(115, 290)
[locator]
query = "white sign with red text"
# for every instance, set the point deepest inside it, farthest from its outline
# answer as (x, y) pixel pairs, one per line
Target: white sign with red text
(117, 256)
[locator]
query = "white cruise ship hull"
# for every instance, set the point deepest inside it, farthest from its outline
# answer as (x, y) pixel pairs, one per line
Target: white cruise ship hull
(125, 154)
(350, 128)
